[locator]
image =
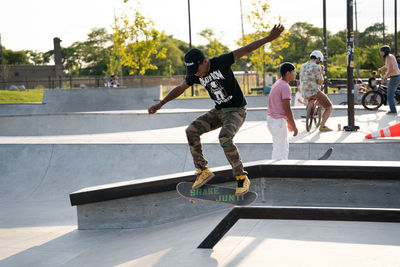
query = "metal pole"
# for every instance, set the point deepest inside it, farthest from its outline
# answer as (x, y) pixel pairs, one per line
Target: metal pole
(350, 68)
(395, 27)
(190, 27)
(245, 66)
(325, 50)
(241, 18)
(190, 36)
(119, 58)
(3, 74)
(120, 71)
(356, 37)
(383, 28)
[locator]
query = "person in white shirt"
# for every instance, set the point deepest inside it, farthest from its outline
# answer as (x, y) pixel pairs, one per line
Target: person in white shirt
(298, 98)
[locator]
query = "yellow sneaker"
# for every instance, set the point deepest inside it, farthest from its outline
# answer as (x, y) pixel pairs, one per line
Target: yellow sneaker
(325, 129)
(203, 176)
(243, 184)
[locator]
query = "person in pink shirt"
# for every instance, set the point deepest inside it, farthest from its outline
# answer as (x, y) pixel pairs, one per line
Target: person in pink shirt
(280, 116)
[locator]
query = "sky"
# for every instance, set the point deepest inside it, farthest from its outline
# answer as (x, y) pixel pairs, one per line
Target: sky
(28, 24)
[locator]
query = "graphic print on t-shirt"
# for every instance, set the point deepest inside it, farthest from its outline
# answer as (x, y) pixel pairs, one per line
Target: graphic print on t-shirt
(212, 84)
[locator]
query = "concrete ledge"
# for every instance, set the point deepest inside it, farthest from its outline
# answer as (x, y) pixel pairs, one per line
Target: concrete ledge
(153, 201)
(364, 170)
(298, 213)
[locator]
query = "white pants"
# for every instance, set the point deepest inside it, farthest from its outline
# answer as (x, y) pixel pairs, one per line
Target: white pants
(279, 131)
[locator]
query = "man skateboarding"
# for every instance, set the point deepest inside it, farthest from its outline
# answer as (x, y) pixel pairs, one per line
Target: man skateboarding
(229, 114)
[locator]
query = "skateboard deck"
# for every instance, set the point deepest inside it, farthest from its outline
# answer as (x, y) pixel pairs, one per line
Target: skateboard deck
(215, 193)
(327, 154)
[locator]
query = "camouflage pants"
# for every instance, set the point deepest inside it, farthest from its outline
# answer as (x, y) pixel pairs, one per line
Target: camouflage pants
(230, 120)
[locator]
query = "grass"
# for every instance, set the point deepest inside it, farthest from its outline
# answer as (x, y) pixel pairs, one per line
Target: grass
(28, 96)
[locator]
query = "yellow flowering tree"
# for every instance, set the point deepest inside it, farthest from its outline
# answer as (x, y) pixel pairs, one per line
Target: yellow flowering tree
(135, 41)
(268, 55)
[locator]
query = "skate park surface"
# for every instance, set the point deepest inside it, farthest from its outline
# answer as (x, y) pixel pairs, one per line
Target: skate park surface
(46, 154)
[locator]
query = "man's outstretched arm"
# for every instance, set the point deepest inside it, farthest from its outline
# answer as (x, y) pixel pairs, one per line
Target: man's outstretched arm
(275, 33)
(177, 91)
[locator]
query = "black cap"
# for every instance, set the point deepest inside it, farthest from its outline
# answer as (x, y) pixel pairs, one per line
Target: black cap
(193, 59)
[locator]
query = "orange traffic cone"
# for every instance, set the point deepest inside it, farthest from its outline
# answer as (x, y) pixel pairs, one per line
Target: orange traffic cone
(389, 131)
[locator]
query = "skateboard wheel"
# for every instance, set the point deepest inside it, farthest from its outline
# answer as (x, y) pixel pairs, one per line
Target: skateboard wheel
(192, 201)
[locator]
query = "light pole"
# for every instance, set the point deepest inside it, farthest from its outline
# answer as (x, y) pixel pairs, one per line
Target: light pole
(3, 74)
(190, 27)
(241, 18)
(356, 36)
(350, 68)
(395, 27)
(383, 28)
(245, 66)
(190, 37)
(325, 49)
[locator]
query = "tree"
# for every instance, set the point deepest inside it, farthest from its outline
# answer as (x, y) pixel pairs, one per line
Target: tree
(136, 41)
(16, 57)
(373, 35)
(373, 59)
(336, 46)
(268, 55)
(96, 52)
(214, 47)
(35, 57)
(173, 62)
(303, 38)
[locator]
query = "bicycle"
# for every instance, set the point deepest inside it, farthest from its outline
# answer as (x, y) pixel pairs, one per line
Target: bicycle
(313, 113)
(374, 99)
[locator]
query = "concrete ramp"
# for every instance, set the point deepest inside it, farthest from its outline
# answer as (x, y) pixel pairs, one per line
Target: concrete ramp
(51, 172)
(57, 101)
(97, 122)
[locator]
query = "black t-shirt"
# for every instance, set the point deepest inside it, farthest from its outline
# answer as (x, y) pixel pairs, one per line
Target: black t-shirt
(220, 83)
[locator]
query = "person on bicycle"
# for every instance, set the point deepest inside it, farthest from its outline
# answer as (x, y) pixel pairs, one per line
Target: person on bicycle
(280, 117)
(311, 79)
(393, 73)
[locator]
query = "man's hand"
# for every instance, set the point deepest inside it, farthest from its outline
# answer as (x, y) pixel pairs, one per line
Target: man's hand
(275, 32)
(153, 109)
(295, 131)
(292, 128)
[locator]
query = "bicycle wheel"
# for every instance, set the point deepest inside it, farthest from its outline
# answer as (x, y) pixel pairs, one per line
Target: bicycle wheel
(372, 100)
(309, 116)
(317, 116)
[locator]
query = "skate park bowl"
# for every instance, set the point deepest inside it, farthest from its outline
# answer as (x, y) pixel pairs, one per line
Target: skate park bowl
(118, 167)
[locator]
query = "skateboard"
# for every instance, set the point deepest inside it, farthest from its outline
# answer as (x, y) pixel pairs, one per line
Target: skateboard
(327, 154)
(215, 193)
